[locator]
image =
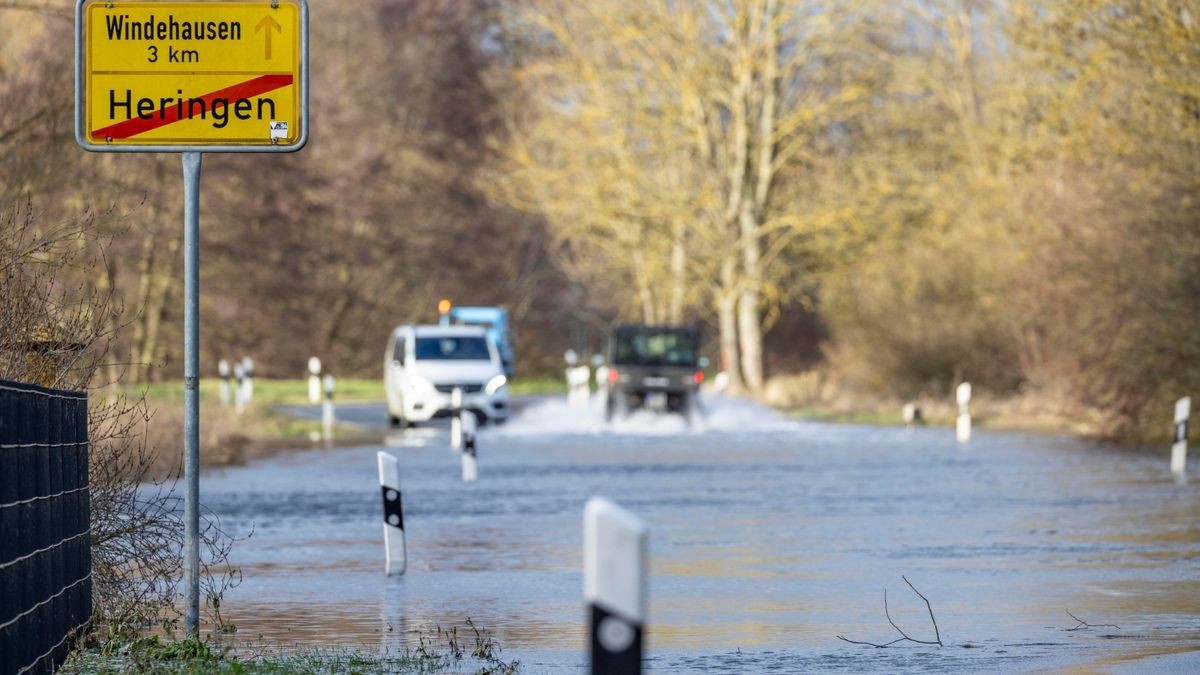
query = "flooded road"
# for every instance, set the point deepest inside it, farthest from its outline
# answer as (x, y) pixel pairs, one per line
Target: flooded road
(769, 538)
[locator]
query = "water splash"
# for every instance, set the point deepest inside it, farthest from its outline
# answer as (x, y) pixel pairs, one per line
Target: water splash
(717, 413)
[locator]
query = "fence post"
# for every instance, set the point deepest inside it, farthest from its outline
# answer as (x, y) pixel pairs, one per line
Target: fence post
(962, 427)
(614, 586)
(1183, 410)
(393, 515)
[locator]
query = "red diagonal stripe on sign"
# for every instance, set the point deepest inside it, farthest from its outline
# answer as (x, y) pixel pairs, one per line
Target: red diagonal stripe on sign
(169, 115)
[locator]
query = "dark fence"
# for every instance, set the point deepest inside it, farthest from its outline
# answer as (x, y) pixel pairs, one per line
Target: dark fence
(45, 552)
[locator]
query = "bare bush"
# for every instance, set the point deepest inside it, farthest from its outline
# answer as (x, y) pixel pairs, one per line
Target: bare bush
(57, 325)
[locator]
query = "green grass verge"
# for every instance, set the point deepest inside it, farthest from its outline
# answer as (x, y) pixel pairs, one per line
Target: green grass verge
(538, 385)
(157, 656)
(266, 392)
(295, 392)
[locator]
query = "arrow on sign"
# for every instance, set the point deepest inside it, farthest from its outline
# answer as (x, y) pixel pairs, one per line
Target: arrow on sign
(268, 23)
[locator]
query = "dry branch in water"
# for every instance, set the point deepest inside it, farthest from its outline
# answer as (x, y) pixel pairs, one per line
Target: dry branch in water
(1083, 624)
(904, 636)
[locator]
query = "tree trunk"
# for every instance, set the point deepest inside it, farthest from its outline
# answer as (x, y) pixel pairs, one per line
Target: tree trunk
(727, 321)
(105, 284)
(145, 269)
(750, 213)
(645, 294)
(749, 319)
(678, 260)
(163, 272)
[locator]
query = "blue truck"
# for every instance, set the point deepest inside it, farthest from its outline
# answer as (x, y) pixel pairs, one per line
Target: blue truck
(494, 321)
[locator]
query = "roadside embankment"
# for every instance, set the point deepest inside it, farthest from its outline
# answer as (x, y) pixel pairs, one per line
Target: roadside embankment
(816, 396)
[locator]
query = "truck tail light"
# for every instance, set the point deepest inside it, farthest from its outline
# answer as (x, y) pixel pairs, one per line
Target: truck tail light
(698, 378)
(613, 375)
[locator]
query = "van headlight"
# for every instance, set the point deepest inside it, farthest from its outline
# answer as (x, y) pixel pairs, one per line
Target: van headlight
(494, 386)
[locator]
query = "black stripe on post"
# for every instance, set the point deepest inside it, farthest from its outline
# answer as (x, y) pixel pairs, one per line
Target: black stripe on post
(393, 511)
(1181, 430)
(616, 644)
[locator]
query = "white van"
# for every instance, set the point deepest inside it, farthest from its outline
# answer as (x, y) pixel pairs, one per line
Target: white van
(422, 365)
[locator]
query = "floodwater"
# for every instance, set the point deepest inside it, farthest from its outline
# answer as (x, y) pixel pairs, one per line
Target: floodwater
(769, 538)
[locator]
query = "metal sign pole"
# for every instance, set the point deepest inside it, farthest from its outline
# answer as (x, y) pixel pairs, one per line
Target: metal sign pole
(191, 391)
(259, 74)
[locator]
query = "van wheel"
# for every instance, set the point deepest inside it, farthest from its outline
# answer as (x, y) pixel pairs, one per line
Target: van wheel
(394, 422)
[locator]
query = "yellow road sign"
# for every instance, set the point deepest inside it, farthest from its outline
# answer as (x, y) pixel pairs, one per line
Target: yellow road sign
(198, 76)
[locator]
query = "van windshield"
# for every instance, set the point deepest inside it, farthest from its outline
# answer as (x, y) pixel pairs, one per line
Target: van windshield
(452, 349)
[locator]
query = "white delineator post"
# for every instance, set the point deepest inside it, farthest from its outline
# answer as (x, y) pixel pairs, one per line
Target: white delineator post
(614, 586)
(576, 391)
(393, 514)
(583, 378)
(328, 415)
(579, 380)
(239, 391)
(962, 428)
(1183, 410)
(601, 371)
(223, 371)
(314, 380)
(721, 382)
(456, 429)
(248, 383)
(470, 466)
(909, 412)
(602, 379)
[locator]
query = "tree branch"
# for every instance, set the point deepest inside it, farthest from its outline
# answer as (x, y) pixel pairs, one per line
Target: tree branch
(905, 636)
(1083, 624)
(929, 607)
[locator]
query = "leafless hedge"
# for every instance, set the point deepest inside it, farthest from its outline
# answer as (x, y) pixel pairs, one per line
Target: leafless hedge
(58, 319)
